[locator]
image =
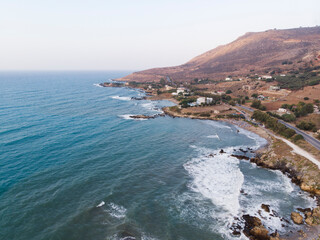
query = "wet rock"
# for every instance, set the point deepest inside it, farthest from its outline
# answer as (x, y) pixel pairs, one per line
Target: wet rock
(296, 218)
(141, 117)
(244, 151)
(265, 207)
(243, 192)
(240, 157)
(222, 151)
(260, 233)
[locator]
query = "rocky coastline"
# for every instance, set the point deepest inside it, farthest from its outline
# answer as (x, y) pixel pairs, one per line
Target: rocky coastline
(298, 169)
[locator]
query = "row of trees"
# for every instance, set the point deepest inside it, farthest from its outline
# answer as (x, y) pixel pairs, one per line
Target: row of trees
(273, 124)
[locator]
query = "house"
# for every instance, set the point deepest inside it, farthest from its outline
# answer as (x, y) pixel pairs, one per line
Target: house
(209, 100)
(261, 97)
(228, 79)
(282, 110)
(266, 77)
(201, 100)
(274, 88)
(181, 90)
(150, 87)
(219, 92)
(167, 87)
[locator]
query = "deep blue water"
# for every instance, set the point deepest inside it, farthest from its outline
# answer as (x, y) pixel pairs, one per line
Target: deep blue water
(73, 165)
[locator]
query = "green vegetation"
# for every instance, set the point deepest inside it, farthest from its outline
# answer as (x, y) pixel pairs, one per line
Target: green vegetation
(308, 126)
(300, 110)
(205, 114)
(273, 124)
(228, 91)
(255, 95)
(299, 79)
(288, 117)
(257, 104)
(175, 109)
(185, 101)
(297, 137)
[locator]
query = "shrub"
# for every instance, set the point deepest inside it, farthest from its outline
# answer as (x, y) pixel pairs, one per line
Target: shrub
(308, 126)
(175, 109)
(288, 117)
(204, 114)
(228, 91)
(288, 133)
(297, 137)
(306, 98)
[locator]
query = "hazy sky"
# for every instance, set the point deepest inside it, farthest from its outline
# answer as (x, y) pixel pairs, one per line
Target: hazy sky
(133, 34)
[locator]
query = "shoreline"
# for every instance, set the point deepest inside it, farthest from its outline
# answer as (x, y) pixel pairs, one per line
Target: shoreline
(261, 159)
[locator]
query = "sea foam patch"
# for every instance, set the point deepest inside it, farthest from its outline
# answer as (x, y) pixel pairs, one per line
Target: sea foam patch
(121, 98)
(129, 117)
(116, 211)
(217, 178)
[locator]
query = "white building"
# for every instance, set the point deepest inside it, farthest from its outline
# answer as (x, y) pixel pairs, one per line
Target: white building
(201, 100)
(228, 79)
(282, 110)
(274, 88)
(219, 92)
(209, 100)
(261, 97)
(266, 77)
(167, 87)
(181, 90)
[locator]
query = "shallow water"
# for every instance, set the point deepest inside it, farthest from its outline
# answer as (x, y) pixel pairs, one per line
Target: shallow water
(74, 165)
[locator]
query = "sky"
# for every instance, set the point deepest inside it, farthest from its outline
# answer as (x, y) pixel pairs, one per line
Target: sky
(133, 34)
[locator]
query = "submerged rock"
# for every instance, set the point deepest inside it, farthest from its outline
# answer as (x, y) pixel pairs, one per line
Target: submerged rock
(265, 207)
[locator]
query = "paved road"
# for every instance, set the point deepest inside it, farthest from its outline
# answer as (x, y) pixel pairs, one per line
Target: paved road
(308, 138)
(314, 142)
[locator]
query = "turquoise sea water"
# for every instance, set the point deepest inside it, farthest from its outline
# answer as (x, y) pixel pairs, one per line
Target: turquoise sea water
(73, 165)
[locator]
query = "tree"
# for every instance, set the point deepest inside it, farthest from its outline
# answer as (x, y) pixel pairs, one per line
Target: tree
(255, 95)
(228, 91)
(162, 81)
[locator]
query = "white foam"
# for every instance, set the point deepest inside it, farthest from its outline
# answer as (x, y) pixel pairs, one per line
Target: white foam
(151, 106)
(97, 85)
(259, 141)
(129, 117)
(214, 136)
(101, 204)
(116, 211)
(217, 178)
(121, 98)
(217, 124)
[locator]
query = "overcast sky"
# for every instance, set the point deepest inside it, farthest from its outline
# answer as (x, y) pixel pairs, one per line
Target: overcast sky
(133, 34)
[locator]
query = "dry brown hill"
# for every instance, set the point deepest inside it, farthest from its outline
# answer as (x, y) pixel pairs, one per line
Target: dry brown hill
(251, 53)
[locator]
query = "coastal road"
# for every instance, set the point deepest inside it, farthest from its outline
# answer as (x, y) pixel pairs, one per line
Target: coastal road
(314, 142)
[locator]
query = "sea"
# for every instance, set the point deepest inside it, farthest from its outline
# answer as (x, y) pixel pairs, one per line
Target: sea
(75, 165)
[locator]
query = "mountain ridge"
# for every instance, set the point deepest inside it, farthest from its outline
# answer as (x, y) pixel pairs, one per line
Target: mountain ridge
(258, 52)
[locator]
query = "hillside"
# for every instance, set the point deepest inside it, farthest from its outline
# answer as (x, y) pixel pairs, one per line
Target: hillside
(261, 53)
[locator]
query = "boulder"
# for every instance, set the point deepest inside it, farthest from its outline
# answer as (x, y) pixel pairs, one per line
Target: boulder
(296, 218)
(309, 221)
(260, 232)
(265, 207)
